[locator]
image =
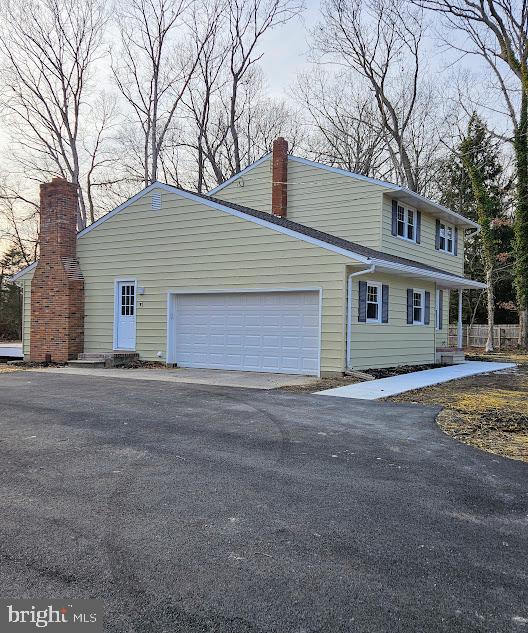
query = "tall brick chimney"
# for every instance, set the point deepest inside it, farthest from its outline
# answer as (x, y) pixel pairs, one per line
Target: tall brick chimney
(279, 177)
(57, 287)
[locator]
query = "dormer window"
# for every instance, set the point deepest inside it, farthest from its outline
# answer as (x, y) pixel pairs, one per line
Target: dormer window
(405, 222)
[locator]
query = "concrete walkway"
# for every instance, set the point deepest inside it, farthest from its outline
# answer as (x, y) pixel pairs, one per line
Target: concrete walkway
(374, 389)
(11, 350)
(218, 377)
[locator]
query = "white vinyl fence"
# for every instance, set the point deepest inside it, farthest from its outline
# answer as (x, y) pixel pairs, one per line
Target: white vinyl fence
(504, 336)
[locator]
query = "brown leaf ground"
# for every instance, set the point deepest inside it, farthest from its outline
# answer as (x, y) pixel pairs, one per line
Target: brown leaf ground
(489, 411)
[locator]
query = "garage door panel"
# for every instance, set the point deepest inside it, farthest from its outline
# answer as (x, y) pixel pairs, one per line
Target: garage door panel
(268, 331)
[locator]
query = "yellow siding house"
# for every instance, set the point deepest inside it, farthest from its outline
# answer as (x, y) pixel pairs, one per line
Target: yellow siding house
(290, 266)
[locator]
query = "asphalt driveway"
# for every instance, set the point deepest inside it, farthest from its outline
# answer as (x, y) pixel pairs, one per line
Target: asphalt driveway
(192, 508)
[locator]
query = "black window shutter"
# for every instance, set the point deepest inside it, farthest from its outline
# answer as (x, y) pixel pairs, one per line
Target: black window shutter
(394, 226)
(362, 304)
(455, 251)
(418, 226)
(437, 235)
(440, 309)
(385, 303)
(427, 312)
(410, 293)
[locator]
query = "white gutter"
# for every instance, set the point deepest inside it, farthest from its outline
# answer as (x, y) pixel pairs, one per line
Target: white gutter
(371, 269)
(422, 272)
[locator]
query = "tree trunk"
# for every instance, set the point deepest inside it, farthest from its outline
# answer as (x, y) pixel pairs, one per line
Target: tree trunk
(491, 309)
(521, 220)
(523, 328)
(233, 128)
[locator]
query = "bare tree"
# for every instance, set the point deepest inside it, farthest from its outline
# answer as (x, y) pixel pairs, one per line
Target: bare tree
(248, 21)
(232, 120)
(154, 65)
(344, 129)
(381, 41)
(19, 220)
(50, 48)
(497, 31)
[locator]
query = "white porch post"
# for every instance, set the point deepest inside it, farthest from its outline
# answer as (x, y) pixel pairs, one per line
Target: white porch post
(459, 331)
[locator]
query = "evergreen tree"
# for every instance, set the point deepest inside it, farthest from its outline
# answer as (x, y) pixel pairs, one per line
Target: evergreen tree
(458, 193)
(488, 207)
(10, 295)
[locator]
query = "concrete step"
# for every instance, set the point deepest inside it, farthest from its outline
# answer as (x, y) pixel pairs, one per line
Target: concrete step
(451, 358)
(104, 355)
(106, 359)
(90, 363)
(94, 356)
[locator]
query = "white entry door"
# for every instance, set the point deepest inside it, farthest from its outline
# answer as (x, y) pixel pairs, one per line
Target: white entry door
(125, 315)
(248, 331)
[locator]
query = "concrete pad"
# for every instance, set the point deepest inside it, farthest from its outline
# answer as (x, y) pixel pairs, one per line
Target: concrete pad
(394, 385)
(11, 350)
(220, 378)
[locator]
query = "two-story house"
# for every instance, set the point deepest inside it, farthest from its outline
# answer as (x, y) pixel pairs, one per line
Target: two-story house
(290, 266)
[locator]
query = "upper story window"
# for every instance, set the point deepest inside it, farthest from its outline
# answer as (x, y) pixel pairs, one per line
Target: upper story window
(406, 222)
(446, 238)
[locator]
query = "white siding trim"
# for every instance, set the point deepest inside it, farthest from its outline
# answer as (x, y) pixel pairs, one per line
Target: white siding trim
(344, 172)
(390, 187)
(122, 206)
(23, 272)
(452, 281)
(117, 307)
(239, 174)
(220, 207)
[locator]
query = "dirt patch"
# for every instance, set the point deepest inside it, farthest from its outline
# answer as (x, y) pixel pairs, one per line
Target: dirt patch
(321, 384)
(342, 381)
(26, 364)
(5, 368)
(388, 372)
(489, 411)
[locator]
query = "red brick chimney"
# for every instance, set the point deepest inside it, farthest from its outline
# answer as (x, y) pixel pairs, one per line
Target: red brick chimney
(57, 287)
(279, 177)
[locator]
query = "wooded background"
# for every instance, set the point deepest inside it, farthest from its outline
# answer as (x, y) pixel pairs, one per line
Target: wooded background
(430, 94)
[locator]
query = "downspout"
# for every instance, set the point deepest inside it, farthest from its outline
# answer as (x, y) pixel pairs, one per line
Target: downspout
(371, 269)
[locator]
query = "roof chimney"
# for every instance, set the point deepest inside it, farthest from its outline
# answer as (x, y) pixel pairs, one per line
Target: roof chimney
(279, 177)
(57, 287)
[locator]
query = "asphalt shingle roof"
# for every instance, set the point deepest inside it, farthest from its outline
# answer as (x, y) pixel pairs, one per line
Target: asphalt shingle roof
(353, 247)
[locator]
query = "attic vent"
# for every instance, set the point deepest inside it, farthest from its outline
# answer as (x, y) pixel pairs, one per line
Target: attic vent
(156, 201)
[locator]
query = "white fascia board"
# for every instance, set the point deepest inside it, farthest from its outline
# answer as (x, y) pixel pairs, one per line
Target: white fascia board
(391, 188)
(23, 272)
(124, 205)
(240, 174)
(343, 172)
(451, 281)
(220, 207)
(432, 207)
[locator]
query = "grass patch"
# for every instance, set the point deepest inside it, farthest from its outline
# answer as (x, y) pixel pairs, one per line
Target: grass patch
(489, 411)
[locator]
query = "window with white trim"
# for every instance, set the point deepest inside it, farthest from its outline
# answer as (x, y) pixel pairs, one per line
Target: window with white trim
(447, 238)
(373, 302)
(406, 223)
(418, 307)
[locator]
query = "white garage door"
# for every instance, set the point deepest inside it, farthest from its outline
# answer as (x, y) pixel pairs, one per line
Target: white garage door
(252, 331)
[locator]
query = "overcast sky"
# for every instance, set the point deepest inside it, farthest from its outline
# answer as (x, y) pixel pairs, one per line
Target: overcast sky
(286, 52)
